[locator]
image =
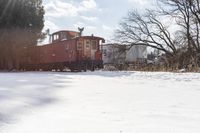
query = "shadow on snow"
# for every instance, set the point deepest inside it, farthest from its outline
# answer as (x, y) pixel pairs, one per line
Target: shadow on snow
(21, 91)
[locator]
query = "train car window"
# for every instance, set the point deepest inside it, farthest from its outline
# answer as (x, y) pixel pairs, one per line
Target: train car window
(66, 46)
(55, 37)
(87, 44)
(94, 45)
(105, 52)
(79, 46)
(63, 36)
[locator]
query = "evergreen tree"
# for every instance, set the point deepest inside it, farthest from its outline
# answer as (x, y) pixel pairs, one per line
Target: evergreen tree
(21, 24)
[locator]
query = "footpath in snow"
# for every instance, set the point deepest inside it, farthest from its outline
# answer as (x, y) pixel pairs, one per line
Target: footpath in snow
(99, 102)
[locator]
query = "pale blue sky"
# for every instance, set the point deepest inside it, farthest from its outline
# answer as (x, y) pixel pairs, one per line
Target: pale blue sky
(99, 17)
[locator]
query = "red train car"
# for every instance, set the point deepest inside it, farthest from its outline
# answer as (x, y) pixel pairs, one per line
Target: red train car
(68, 49)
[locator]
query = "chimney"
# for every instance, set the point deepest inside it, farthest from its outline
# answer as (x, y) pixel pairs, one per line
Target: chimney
(80, 31)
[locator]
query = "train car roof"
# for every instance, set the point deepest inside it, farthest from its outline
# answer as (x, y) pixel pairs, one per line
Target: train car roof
(64, 31)
(89, 37)
(92, 37)
(83, 37)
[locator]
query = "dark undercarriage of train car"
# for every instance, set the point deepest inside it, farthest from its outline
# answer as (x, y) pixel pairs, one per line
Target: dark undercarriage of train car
(67, 50)
(66, 66)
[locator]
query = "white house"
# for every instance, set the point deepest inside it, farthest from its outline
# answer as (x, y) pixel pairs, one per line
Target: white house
(136, 53)
(120, 54)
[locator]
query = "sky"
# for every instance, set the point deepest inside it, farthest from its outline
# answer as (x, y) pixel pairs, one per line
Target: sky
(99, 17)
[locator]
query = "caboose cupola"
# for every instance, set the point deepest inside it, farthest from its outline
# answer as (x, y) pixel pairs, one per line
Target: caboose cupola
(64, 35)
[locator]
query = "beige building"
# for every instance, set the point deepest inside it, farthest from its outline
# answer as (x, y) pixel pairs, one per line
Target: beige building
(120, 54)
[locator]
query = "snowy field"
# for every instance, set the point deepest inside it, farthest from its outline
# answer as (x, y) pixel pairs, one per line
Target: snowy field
(99, 102)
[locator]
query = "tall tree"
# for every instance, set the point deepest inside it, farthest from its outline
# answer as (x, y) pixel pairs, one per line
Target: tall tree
(21, 24)
(187, 15)
(149, 29)
(146, 29)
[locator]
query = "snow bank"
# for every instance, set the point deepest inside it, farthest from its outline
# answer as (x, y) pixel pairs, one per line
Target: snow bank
(99, 102)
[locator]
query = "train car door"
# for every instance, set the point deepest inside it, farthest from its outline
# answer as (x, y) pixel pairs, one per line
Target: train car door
(80, 49)
(87, 48)
(94, 48)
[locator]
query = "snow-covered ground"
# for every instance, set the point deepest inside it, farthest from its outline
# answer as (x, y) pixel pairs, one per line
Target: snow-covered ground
(99, 102)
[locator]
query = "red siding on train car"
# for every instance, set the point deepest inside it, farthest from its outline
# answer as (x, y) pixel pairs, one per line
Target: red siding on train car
(33, 53)
(98, 55)
(80, 49)
(88, 52)
(72, 50)
(63, 51)
(67, 50)
(45, 54)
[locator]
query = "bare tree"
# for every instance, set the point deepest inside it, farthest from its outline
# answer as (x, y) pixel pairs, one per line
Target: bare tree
(194, 6)
(187, 16)
(182, 43)
(146, 29)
